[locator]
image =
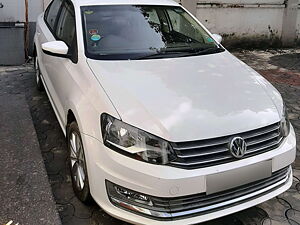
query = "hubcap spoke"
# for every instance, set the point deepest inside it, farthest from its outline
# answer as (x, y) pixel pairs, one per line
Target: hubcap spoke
(73, 144)
(73, 161)
(77, 160)
(73, 152)
(81, 177)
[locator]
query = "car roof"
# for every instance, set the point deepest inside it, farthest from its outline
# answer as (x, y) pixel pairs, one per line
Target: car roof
(125, 2)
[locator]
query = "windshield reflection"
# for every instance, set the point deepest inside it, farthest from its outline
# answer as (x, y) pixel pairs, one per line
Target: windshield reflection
(132, 32)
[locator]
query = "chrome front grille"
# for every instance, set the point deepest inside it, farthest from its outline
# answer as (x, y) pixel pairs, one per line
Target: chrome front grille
(201, 203)
(210, 152)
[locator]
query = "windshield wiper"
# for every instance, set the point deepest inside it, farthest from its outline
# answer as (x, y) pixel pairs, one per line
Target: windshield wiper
(162, 54)
(181, 53)
(208, 51)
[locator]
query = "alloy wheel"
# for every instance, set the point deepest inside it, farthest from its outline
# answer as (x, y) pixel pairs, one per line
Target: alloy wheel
(77, 161)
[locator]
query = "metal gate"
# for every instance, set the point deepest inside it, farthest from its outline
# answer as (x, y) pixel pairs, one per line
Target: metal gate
(17, 28)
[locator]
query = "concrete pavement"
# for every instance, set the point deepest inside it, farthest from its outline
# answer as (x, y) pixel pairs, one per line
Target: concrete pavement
(25, 193)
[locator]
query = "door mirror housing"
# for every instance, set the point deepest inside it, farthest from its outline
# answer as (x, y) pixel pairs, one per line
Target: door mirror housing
(56, 48)
(218, 38)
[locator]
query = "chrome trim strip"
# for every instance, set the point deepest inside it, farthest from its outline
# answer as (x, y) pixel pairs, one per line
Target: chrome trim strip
(224, 140)
(202, 161)
(165, 215)
(223, 150)
(222, 204)
(227, 195)
(221, 142)
(204, 153)
(216, 151)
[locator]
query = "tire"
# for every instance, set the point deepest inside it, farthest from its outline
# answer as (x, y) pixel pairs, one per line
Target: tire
(77, 164)
(39, 83)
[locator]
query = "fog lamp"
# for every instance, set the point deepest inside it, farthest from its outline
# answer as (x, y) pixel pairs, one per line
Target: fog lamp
(134, 202)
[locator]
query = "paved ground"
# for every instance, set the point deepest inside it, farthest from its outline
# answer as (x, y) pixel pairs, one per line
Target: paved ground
(282, 68)
(25, 194)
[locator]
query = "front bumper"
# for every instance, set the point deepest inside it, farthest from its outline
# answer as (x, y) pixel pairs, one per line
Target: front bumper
(169, 182)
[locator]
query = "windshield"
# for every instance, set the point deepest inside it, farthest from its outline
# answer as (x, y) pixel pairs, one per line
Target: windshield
(122, 32)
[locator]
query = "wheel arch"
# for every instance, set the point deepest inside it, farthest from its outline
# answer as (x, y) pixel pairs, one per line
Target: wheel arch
(70, 118)
(72, 115)
(34, 50)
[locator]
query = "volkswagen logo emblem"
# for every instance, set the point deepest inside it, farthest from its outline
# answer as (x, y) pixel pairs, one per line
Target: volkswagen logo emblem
(237, 147)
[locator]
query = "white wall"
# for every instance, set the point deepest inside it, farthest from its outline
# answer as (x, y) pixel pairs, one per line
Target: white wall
(14, 10)
(261, 21)
(34, 9)
(245, 20)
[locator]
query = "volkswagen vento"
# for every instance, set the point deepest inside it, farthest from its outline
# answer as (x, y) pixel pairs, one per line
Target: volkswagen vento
(163, 124)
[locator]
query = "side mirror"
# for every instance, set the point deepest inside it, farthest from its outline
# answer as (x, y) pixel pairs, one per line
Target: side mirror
(218, 38)
(56, 48)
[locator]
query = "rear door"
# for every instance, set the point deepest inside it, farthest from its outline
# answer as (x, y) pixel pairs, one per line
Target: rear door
(60, 69)
(58, 23)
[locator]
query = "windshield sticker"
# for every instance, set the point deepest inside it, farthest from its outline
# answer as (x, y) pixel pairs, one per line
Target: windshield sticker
(96, 37)
(93, 31)
(209, 39)
(88, 12)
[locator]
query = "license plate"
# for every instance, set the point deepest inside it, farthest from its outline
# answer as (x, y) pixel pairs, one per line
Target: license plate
(237, 177)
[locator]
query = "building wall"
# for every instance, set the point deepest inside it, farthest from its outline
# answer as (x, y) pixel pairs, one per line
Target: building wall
(242, 23)
(249, 23)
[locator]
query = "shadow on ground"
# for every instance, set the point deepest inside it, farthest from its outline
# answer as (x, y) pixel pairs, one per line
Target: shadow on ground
(287, 61)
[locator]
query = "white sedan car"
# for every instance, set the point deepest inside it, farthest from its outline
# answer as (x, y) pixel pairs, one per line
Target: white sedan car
(164, 125)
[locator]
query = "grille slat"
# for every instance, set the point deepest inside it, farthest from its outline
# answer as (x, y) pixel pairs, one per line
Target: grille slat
(206, 144)
(207, 152)
(186, 205)
(274, 143)
(261, 131)
(210, 152)
(263, 139)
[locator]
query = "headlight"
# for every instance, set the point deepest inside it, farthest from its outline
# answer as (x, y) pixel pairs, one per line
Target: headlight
(135, 143)
(285, 123)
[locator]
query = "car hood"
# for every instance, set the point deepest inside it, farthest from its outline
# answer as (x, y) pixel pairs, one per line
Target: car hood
(189, 98)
